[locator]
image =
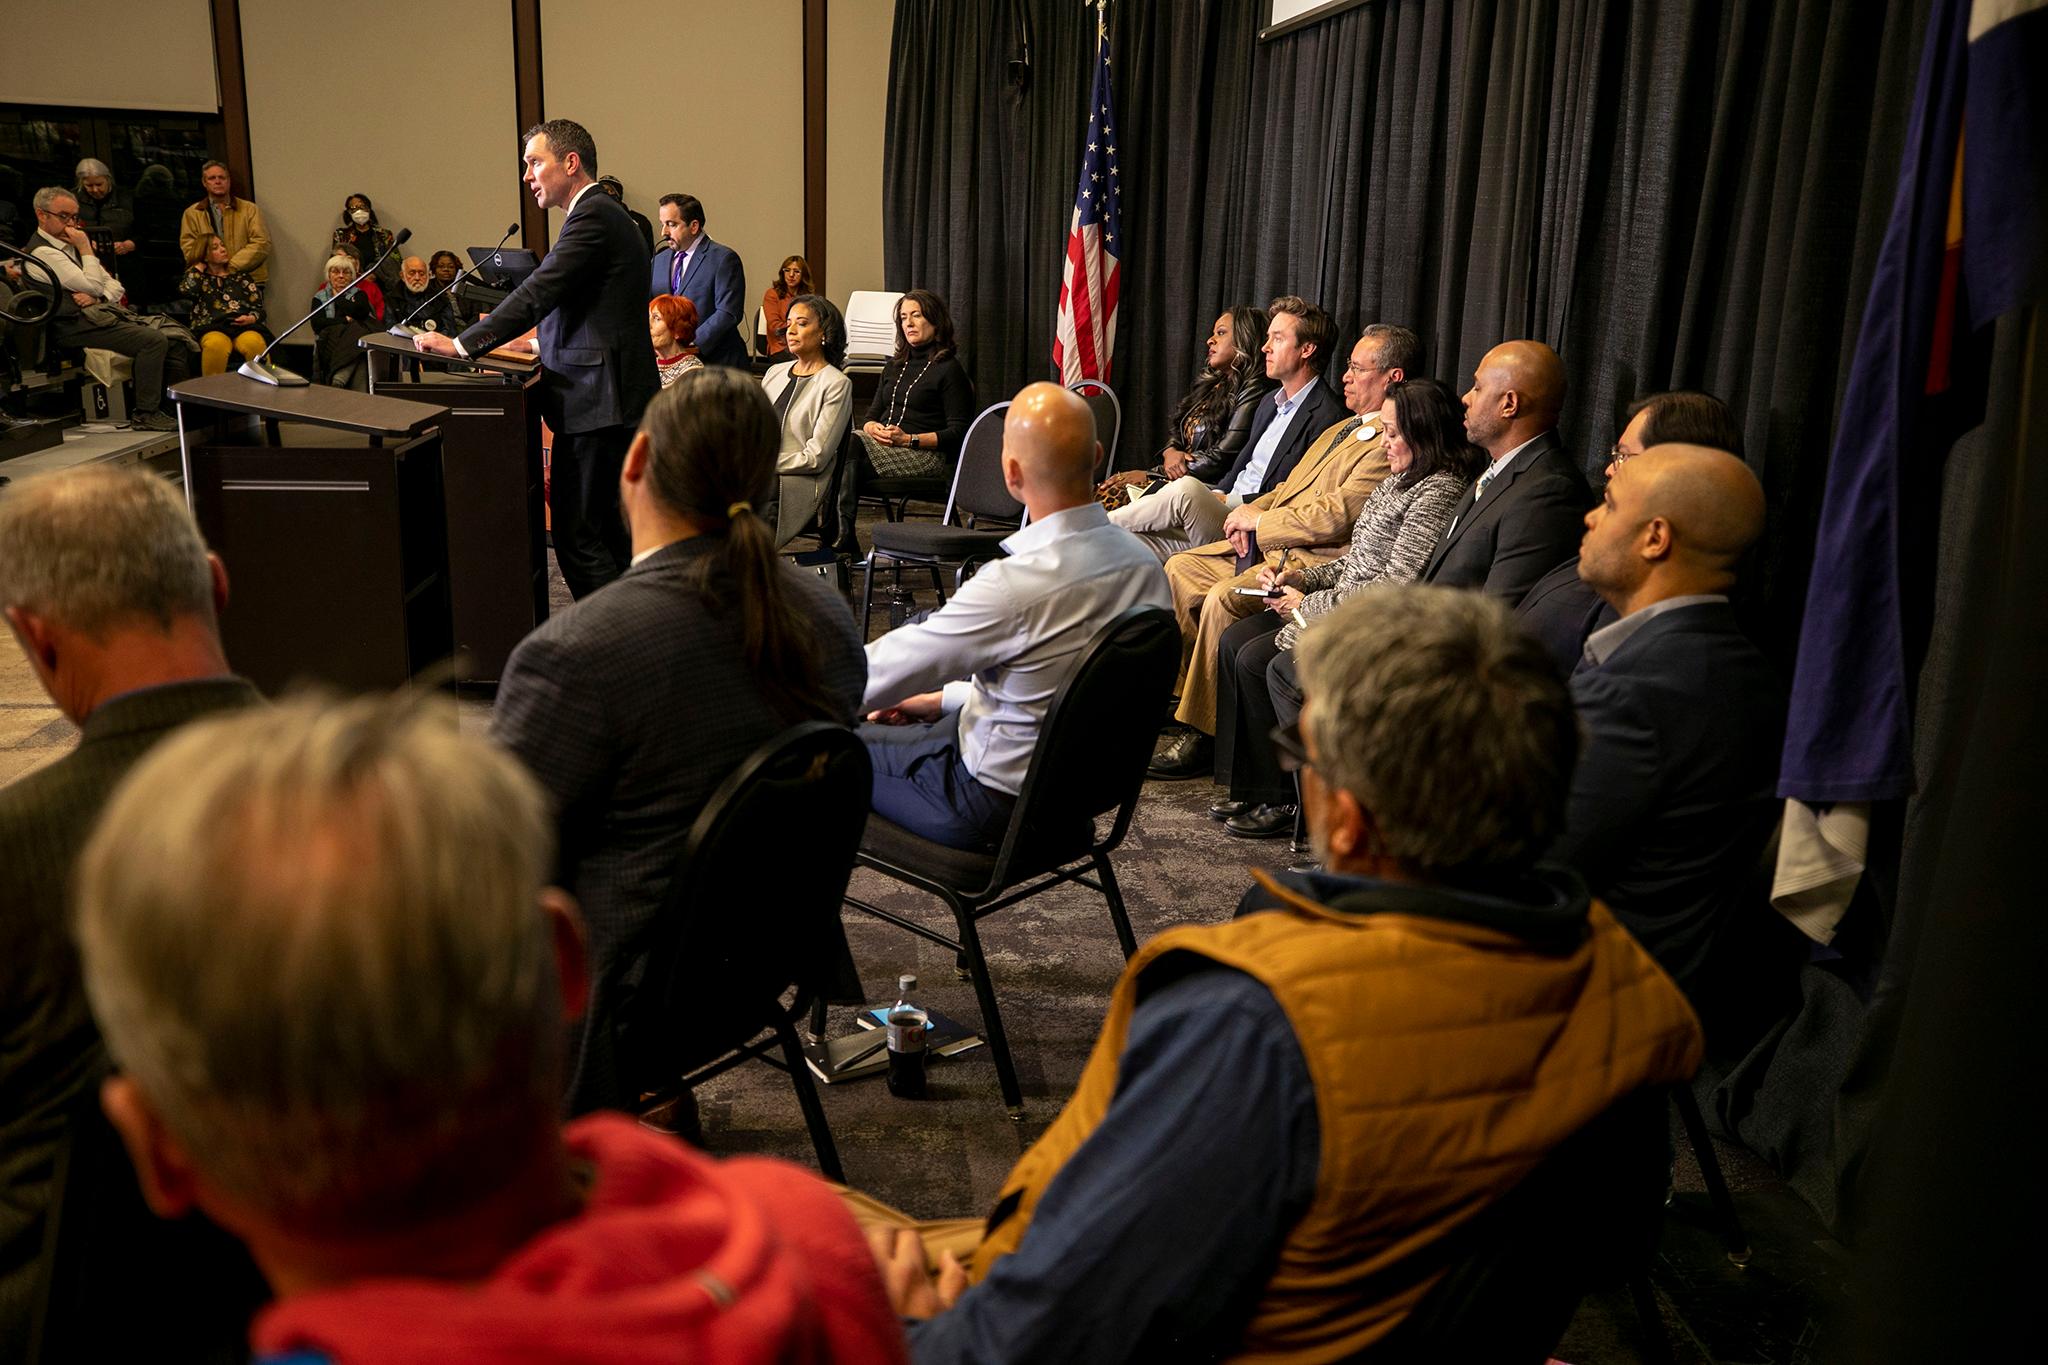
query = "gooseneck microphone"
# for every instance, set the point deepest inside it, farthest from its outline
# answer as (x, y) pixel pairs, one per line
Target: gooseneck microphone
(261, 370)
(404, 328)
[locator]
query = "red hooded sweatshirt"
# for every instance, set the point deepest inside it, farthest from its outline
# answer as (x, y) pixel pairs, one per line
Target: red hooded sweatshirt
(675, 1257)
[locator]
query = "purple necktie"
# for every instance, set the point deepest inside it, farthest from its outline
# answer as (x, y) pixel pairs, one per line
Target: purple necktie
(675, 275)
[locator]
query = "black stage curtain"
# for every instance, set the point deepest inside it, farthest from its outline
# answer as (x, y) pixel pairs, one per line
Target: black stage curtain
(1685, 194)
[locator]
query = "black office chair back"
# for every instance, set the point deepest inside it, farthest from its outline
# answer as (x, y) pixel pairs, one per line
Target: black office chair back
(1097, 738)
(1585, 1218)
(978, 490)
(1109, 420)
(755, 905)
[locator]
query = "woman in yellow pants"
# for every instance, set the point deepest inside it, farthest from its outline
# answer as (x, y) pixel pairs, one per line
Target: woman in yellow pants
(227, 310)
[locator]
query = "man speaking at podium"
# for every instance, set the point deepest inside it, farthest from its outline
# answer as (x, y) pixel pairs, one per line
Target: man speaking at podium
(589, 298)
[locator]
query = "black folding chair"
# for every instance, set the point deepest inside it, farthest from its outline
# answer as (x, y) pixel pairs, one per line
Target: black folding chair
(1109, 420)
(957, 539)
(750, 936)
(1090, 761)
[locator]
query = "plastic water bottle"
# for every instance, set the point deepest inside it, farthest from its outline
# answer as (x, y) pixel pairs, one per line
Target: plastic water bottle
(907, 1026)
(902, 606)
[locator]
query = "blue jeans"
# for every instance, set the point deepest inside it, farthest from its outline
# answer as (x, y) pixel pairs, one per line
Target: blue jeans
(922, 785)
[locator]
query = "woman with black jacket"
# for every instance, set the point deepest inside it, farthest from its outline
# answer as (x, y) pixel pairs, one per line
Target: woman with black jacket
(921, 411)
(1213, 422)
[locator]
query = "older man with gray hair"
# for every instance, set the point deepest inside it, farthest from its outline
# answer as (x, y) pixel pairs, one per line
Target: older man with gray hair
(1291, 1121)
(321, 945)
(111, 593)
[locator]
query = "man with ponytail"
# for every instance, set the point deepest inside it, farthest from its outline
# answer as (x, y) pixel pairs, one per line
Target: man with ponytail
(635, 703)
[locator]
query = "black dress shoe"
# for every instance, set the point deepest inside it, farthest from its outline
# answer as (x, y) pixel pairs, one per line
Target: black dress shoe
(1187, 754)
(1262, 822)
(1312, 865)
(1223, 810)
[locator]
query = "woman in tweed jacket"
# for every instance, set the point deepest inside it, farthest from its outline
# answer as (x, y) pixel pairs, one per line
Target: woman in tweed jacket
(1430, 463)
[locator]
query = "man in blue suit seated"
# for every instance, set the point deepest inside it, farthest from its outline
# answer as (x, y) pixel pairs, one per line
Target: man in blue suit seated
(586, 300)
(708, 274)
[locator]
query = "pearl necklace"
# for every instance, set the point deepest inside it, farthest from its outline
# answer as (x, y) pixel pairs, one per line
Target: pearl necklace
(900, 395)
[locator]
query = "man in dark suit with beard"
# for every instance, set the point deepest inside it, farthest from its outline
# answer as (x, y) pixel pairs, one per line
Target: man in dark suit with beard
(1520, 518)
(589, 299)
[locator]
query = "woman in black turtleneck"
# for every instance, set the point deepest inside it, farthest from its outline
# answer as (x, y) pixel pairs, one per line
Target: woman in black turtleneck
(923, 406)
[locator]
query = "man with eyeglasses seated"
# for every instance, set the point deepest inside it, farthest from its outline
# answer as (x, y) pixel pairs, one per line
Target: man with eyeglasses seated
(1291, 1120)
(90, 314)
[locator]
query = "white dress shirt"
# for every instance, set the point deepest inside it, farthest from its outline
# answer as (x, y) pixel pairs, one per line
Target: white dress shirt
(574, 199)
(82, 276)
(1247, 485)
(1004, 644)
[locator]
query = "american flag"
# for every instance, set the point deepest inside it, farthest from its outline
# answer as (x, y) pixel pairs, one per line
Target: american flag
(1085, 332)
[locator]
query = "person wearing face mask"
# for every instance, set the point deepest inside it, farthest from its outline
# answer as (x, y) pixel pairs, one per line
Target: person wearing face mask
(416, 284)
(360, 230)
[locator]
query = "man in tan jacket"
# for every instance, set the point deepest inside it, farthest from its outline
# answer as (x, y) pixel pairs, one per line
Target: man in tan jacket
(1306, 520)
(237, 222)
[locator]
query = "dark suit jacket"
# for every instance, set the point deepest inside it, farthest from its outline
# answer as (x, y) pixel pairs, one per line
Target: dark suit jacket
(1561, 611)
(51, 1059)
(1675, 794)
(716, 283)
(587, 300)
(1531, 519)
(631, 707)
(1319, 408)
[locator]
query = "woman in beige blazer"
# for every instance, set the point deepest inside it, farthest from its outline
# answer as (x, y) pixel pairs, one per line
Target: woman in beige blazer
(813, 399)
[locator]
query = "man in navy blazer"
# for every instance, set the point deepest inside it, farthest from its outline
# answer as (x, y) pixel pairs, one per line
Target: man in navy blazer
(1674, 797)
(587, 299)
(1520, 519)
(708, 274)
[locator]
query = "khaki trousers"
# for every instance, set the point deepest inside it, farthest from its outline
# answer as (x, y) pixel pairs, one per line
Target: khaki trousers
(1205, 606)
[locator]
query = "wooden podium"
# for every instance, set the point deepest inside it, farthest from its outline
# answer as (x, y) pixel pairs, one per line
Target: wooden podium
(491, 478)
(326, 506)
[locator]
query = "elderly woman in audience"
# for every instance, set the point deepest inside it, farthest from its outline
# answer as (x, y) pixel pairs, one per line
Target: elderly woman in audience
(813, 400)
(1213, 422)
(446, 266)
(672, 326)
(227, 309)
(923, 406)
(342, 319)
(792, 282)
(360, 230)
(105, 212)
(1430, 463)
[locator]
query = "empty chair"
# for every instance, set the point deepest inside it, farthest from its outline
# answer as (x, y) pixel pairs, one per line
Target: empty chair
(1109, 420)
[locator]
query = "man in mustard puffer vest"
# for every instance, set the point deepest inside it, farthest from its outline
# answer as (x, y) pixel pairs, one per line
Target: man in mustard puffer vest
(1287, 1116)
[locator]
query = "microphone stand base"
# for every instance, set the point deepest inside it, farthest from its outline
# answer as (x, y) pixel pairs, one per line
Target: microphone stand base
(263, 372)
(400, 329)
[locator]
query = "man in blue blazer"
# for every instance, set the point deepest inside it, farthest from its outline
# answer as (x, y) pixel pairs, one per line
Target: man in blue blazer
(587, 299)
(1675, 793)
(708, 274)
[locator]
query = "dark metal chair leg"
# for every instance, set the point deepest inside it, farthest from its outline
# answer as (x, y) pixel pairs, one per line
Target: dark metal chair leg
(867, 595)
(991, 1016)
(807, 1100)
(1733, 1238)
(1650, 1318)
(1118, 916)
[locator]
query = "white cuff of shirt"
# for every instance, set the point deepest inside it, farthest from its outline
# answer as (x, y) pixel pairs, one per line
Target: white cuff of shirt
(1232, 501)
(460, 349)
(954, 695)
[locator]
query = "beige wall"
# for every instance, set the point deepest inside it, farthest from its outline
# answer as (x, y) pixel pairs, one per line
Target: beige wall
(691, 99)
(451, 173)
(156, 55)
(856, 103)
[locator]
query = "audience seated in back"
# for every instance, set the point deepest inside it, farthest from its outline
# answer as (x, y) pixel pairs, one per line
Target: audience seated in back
(1288, 1118)
(105, 211)
(923, 405)
(672, 326)
(90, 311)
(1430, 464)
(1189, 512)
(1522, 515)
(1213, 420)
(368, 239)
(333, 977)
(792, 282)
(410, 304)
(1302, 518)
(955, 701)
(813, 400)
(708, 273)
(344, 316)
(447, 268)
(227, 310)
(635, 703)
(1676, 794)
(238, 222)
(1563, 609)
(109, 590)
